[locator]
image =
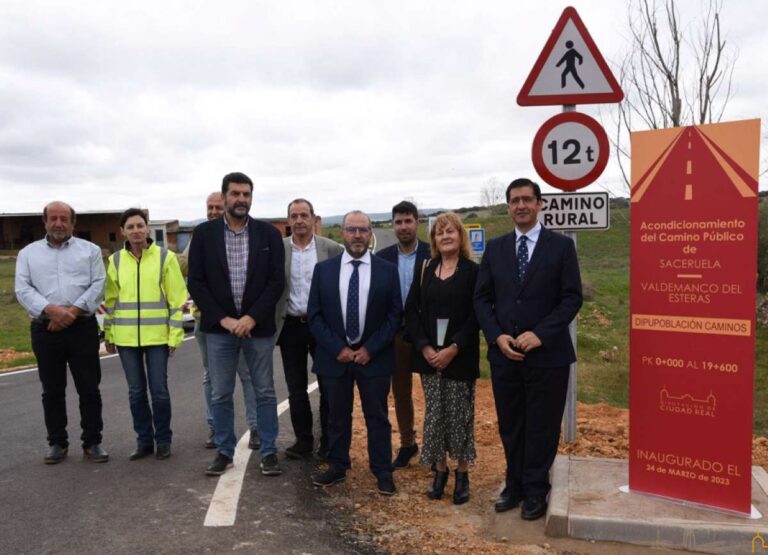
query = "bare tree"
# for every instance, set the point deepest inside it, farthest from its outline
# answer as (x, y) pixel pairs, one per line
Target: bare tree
(674, 73)
(492, 193)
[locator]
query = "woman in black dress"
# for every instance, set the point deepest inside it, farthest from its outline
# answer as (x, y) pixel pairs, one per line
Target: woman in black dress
(441, 322)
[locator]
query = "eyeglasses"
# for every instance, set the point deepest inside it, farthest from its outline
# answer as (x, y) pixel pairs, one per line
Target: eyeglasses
(352, 229)
(524, 200)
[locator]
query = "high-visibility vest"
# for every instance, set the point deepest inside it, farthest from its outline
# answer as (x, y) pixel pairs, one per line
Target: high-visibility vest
(144, 299)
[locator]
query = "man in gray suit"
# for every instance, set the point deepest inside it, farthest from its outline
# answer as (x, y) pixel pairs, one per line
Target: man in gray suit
(303, 249)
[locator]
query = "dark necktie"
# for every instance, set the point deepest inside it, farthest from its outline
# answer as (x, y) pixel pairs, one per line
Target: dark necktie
(522, 258)
(353, 303)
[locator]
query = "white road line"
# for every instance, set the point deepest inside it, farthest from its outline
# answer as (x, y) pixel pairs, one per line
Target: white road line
(223, 508)
(27, 370)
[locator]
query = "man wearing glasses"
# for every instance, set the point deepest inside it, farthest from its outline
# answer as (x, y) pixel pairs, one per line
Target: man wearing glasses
(528, 291)
(354, 312)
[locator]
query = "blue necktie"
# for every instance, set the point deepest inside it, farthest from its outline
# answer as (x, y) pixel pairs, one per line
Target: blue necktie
(522, 258)
(353, 303)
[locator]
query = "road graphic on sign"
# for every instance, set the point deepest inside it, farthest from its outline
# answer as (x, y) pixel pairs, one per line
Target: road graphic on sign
(690, 153)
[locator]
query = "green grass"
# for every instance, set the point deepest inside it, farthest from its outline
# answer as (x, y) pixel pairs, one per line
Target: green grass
(334, 233)
(14, 322)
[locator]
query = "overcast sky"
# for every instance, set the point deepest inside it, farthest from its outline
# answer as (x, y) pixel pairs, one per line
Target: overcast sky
(352, 104)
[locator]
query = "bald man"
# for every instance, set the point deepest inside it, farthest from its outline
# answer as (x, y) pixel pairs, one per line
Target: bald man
(60, 283)
(214, 208)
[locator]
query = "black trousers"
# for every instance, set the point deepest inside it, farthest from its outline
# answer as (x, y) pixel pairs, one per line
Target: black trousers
(77, 347)
(374, 393)
(529, 407)
(296, 342)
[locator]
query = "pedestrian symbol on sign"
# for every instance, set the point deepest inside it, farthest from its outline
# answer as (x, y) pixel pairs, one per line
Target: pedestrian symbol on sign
(570, 57)
(570, 69)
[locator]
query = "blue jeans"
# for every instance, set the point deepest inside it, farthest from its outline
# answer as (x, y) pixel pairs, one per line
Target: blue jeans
(224, 350)
(249, 397)
(151, 426)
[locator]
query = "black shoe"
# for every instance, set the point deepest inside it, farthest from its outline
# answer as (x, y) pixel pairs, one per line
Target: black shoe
(254, 442)
(163, 452)
(386, 484)
(461, 488)
(435, 491)
(299, 451)
(534, 506)
(219, 465)
(56, 454)
(329, 477)
(269, 466)
(404, 456)
(507, 500)
(142, 451)
(210, 443)
(322, 453)
(95, 453)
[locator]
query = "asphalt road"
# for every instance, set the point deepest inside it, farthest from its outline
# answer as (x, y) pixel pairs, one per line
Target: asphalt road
(384, 238)
(149, 506)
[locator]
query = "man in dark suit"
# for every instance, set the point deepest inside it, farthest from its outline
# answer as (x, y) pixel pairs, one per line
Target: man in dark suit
(303, 249)
(354, 312)
(528, 291)
(236, 278)
(408, 254)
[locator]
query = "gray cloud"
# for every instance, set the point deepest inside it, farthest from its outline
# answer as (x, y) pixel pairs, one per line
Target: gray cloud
(349, 104)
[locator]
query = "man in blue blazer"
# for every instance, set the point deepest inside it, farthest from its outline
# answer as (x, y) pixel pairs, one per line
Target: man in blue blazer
(408, 254)
(354, 311)
(527, 292)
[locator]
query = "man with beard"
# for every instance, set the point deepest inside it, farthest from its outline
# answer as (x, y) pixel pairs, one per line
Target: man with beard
(409, 253)
(214, 205)
(236, 278)
(60, 283)
(354, 312)
(527, 292)
(303, 249)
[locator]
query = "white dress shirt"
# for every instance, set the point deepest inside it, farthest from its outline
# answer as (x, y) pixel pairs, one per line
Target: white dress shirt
(532, 238)
(71, 275)
(303, 262)
(364, 274)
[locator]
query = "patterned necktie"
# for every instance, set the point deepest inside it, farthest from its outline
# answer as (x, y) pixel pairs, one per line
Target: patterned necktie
(522, 258)
(353, 303)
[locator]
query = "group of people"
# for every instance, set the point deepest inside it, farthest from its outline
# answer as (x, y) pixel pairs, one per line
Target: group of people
(366, 319)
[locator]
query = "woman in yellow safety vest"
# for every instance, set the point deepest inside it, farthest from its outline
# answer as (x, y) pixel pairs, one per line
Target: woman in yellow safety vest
(145, 295)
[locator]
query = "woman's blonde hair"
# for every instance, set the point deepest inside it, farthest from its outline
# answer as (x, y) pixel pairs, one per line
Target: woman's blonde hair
(444, 220)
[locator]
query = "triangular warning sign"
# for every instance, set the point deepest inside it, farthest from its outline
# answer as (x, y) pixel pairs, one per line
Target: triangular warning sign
(570, 69)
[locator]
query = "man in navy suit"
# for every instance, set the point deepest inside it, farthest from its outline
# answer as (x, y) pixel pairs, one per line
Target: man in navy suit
(354, 311)
(528, 291)
(408, 254)
(236, 267)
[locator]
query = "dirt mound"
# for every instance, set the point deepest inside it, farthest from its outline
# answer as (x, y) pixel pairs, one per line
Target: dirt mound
(410, 523)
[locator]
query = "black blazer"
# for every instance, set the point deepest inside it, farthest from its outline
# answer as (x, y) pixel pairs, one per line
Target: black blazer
(463, 328)
(422, 253)
(390, 253)
(209, 284)
(545, 302)
(382, 317)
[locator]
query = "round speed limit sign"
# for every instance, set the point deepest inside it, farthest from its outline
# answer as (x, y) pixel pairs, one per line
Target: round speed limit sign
(570, 151)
